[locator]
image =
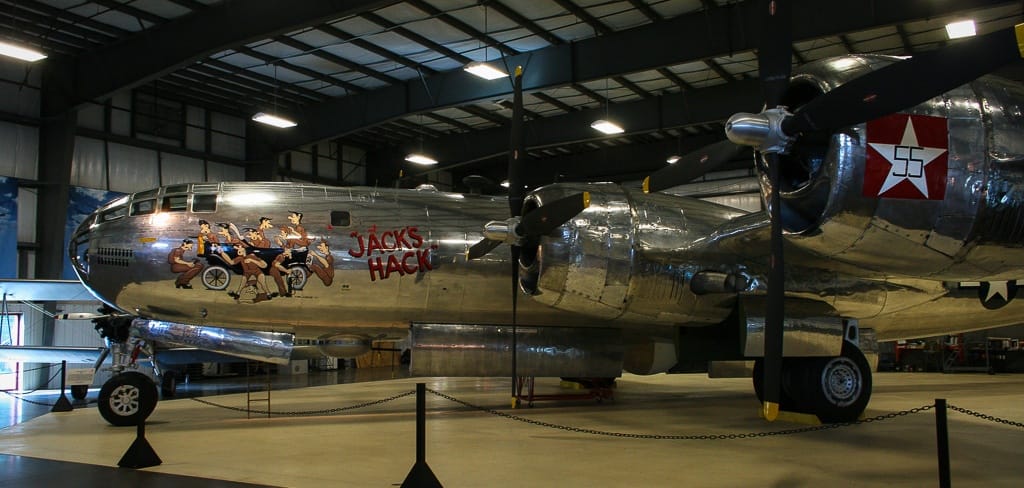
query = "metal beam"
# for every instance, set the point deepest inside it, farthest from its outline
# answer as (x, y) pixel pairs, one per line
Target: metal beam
(155, 52)
(696, 36)
(706, 105)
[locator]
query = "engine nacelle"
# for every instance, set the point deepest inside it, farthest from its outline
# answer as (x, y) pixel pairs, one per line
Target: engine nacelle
(609, 262)
(940, 190)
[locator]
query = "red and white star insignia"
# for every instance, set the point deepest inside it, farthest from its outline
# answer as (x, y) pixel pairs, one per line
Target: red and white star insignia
(907, 157)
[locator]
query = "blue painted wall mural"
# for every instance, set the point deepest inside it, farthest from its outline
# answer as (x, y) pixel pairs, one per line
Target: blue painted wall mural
(8, 227)
(82, 202)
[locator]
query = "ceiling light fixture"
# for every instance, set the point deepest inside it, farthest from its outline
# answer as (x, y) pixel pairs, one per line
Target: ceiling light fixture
(504, 183)
(607, 127)
(274, 120)
(423, 159)
(271, 118)
(963, 28)
(484, 70)
(673, 159)
(19, 52)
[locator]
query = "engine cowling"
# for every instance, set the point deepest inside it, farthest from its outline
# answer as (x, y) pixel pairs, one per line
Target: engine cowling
(877, 196)
(608, 262)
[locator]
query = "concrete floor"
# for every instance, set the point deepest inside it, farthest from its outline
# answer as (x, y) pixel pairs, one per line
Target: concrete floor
(374, 446)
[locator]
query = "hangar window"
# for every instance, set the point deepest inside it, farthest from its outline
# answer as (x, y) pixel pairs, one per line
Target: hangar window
(341, 218)
(204, 203)
(144, 207)
(175, 203)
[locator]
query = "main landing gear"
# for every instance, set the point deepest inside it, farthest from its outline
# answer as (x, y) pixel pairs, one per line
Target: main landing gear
(129, 396)
(835, 389)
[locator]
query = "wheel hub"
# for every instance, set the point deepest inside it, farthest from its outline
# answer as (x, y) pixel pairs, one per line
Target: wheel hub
(841, 382)
(125, 400)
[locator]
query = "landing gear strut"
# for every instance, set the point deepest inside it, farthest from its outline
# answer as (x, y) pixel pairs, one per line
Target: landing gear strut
(129, 396)
(835, 389)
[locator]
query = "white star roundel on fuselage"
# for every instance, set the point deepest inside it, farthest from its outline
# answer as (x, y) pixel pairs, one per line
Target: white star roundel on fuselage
(907, 157)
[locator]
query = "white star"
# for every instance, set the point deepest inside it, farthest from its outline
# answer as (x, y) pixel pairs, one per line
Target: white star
(907, 159)
(998, 288)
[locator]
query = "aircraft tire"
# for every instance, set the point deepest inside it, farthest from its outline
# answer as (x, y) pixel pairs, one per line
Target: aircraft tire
(127, 399)
(79, 392)
(839, 388)
(216, 278)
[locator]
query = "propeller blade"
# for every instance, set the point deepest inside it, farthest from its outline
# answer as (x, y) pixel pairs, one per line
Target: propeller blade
(694, 164)
(549, 217)
(775, 53)
(907, 83)
(481, 248)
(775, 63)
(517, 148)
(775, 307)
(81, 316)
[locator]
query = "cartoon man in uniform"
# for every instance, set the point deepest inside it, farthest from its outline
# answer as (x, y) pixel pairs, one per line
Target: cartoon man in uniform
(297, 229)
(279, 271)
(255, 238)
(207, 239)
(252, 272)
(323, 265)
(225, 233)
(262, 229)
(188, 269)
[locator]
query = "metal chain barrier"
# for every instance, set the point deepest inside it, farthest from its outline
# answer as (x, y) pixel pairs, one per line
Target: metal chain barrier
(982, 416)
(20, 396)
(31, 369)
(749, 435)
(328, 411)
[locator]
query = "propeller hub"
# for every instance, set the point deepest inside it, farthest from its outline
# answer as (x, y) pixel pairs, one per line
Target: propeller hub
(503, 230)
(761, 131)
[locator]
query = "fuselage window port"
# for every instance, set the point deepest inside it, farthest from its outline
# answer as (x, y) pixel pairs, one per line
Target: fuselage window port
(204, 203)
(175, 203)
(176, 189)
(341, 218)
(114, 214)
(144, 207)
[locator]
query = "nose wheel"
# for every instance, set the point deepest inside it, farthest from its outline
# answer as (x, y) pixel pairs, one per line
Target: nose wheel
(127, 399)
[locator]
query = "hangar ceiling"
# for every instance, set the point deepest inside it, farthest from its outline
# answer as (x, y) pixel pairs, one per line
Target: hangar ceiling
(387, 76)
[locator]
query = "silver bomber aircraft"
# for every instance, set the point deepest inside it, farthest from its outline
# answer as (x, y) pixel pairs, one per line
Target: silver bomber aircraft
(901, 219)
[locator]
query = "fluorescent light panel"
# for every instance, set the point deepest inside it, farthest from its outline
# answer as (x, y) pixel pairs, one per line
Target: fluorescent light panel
(963, 28)
(673, 159)
(420, 159)
(273, 120)
(485, 71)
(19, 52)
(607, 127)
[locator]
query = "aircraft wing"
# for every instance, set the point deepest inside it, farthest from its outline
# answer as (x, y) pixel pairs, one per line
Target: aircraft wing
(45, 291)
(50, 354)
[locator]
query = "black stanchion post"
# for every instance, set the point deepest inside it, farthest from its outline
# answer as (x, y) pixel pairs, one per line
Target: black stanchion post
(942, 438)
(140, 454)
(420, 475)
(63, 404)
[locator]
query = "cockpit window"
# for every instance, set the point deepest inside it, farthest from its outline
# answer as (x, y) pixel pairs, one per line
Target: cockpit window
(341, 218)
(144, 207)
(114, 214)
(145, 194)
(175, 189)
(175, 203)
(204, 203)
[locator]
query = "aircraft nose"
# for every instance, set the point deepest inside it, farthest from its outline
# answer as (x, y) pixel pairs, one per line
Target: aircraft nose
(78, 247)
